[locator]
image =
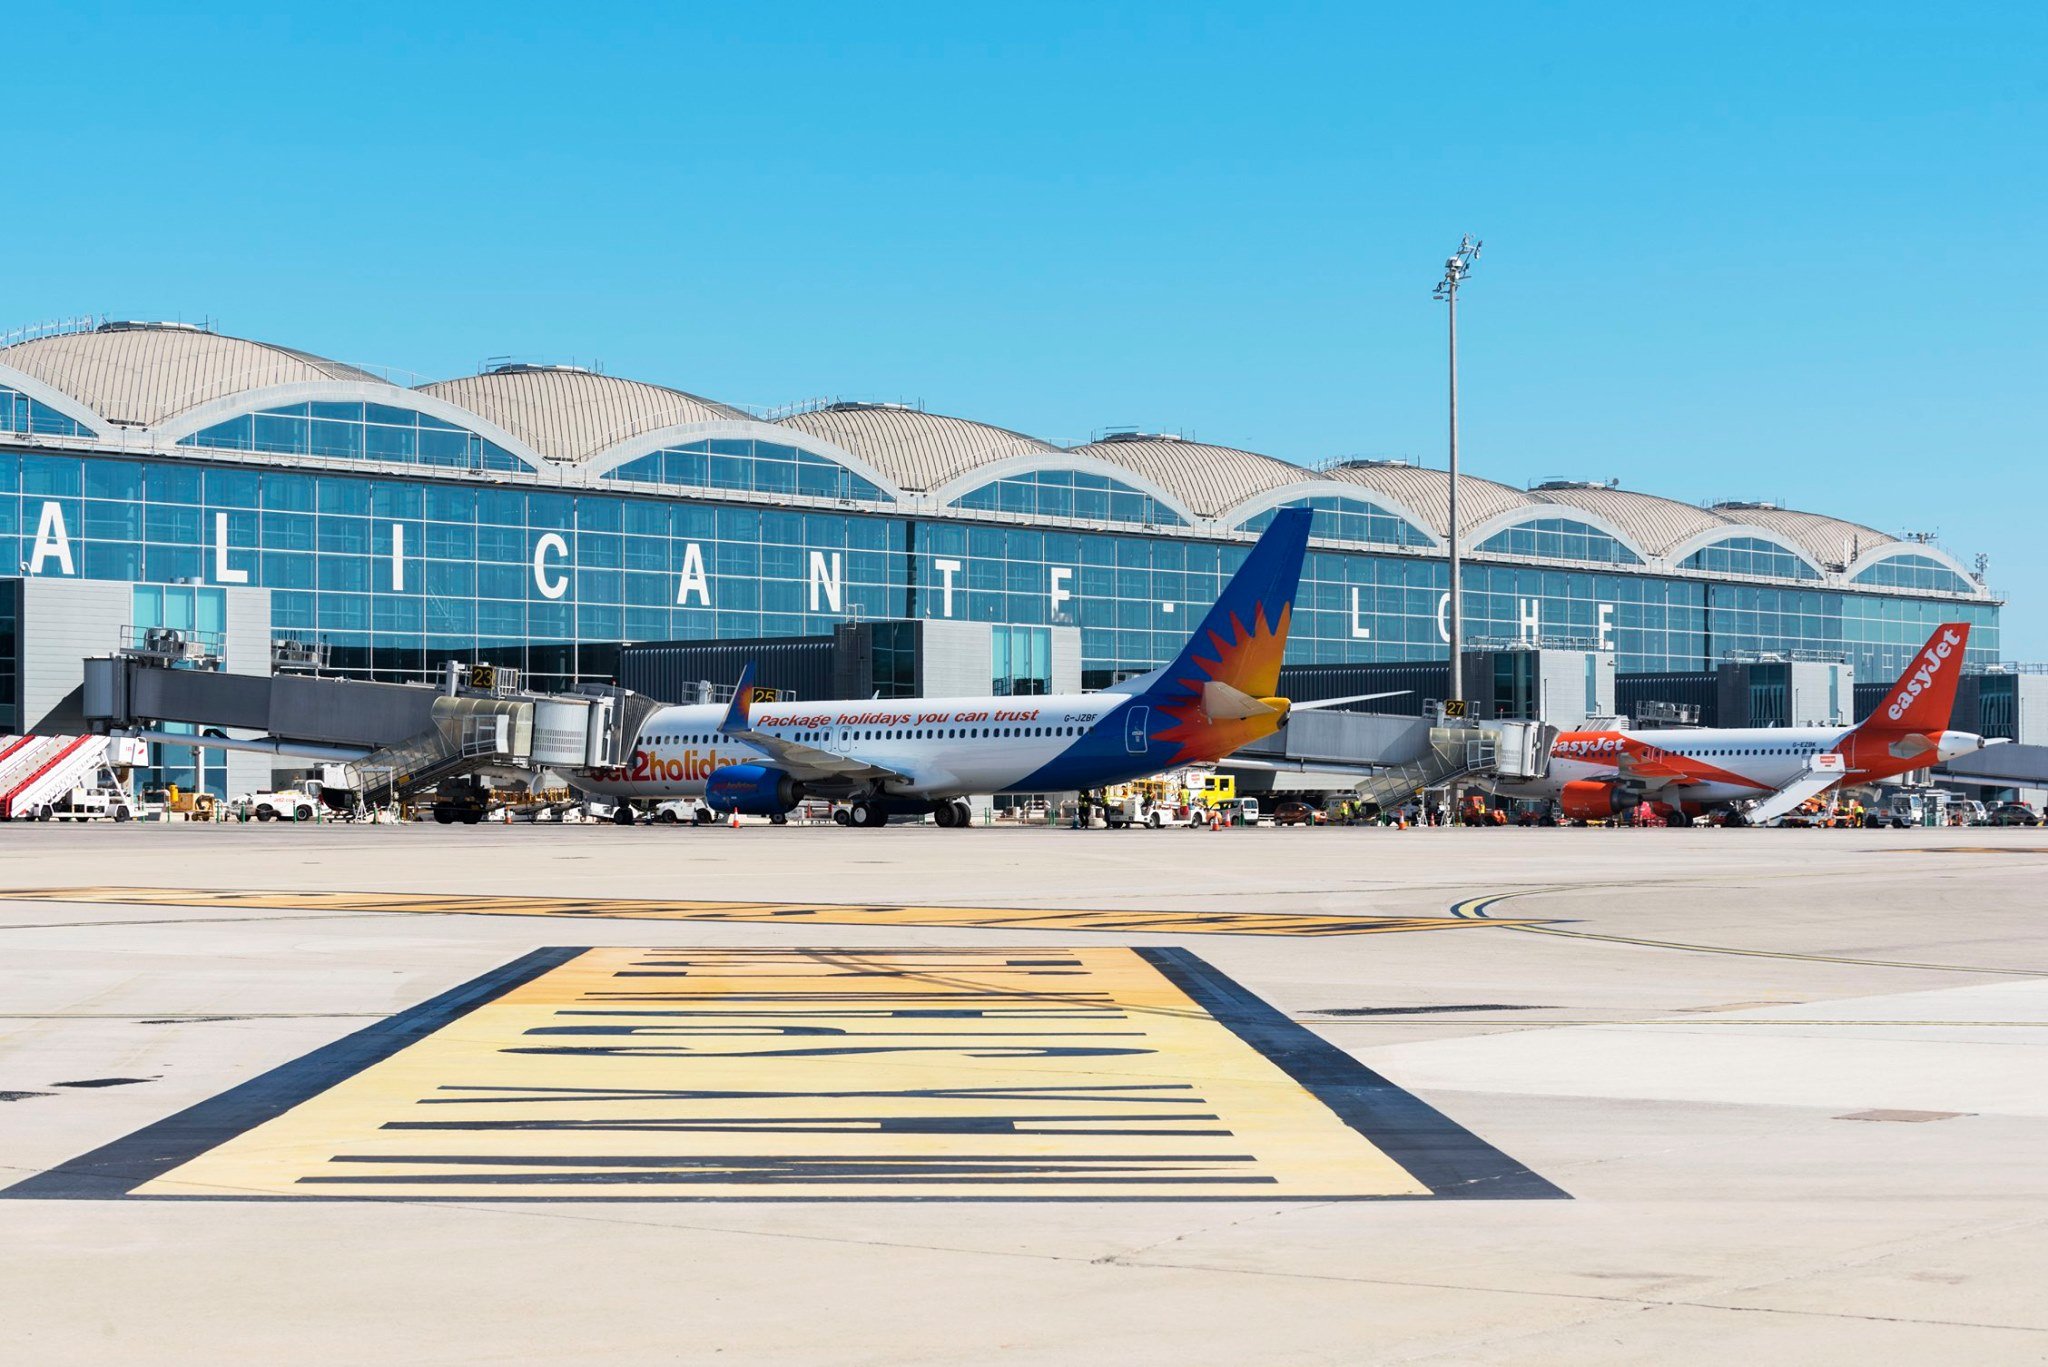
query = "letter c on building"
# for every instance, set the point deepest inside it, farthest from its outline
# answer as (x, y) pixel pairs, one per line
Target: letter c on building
(556, 585)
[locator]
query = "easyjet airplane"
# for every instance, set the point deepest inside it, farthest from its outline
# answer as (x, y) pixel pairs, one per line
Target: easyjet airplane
(902, 756)
(1596, 774)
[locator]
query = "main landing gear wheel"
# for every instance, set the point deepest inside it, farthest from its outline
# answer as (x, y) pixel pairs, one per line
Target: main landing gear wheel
(946, 815)
(963, 813)
(622, 815)
(866, 815)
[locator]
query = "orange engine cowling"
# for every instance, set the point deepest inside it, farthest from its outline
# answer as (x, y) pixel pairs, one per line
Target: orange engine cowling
(1591, 800)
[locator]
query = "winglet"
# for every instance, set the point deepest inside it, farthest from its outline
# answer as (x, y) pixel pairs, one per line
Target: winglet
(738, 716)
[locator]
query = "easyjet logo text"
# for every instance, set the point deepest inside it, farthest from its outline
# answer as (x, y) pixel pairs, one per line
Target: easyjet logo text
(1932, 662)
(1586, 745)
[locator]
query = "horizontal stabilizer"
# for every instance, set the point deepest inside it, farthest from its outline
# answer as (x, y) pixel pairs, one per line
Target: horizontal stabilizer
(1355, 697)
(1221, 702)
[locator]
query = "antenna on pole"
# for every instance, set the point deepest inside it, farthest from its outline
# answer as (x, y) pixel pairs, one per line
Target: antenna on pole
(1456, 268)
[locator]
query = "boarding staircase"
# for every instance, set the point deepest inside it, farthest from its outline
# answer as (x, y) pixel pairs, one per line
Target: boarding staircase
(467, 734)
(1457, 751)
(35, 771)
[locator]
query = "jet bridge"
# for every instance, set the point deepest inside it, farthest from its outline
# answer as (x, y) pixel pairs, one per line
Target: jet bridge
(472, 731)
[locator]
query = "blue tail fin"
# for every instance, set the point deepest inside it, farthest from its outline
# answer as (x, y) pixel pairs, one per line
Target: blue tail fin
(1242, 638)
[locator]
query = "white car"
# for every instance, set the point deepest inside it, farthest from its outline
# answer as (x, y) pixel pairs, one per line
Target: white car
(286, 804)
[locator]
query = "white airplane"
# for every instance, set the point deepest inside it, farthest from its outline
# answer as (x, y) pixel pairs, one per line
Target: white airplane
(904, 756)
(1597, 774)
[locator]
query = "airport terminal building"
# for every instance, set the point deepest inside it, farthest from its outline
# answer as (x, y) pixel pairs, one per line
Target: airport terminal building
(538, 516)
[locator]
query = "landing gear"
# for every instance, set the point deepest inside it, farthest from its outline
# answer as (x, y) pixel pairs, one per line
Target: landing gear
(1681, 820)
(622, 815)
(867, 816)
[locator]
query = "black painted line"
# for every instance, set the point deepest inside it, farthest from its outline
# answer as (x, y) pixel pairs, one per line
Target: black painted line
(1436, 1150)
(118, 1168)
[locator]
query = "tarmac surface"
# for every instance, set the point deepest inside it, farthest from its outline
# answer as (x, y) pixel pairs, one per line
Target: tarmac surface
(777, 1095)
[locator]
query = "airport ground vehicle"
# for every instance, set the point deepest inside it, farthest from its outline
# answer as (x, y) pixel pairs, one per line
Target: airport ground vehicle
(2013, 814)
(683, 810)
(1137, 809)
(1216, 790)
(1298, 814)
(286, 804)
(94, 804)
(1905, 807)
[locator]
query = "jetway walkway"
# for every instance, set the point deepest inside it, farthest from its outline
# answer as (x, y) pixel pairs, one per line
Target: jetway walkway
(474, 730)
(1387, 760)
(2018, 766)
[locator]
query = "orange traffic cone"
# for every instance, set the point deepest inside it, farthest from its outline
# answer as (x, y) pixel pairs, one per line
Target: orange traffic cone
(735, 822)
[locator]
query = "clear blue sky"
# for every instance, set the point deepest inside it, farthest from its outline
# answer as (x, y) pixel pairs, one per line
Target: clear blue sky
(1757, 251)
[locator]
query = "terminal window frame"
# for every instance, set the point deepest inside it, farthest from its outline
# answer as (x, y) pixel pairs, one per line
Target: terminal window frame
(352, 430)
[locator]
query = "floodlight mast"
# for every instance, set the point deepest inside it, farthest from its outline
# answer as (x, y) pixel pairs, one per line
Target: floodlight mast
(1456, 268)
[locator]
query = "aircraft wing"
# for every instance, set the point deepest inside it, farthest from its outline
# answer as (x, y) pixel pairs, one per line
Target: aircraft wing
(809, 764)
(805, 763)
(1650, 772)
(1822, 773)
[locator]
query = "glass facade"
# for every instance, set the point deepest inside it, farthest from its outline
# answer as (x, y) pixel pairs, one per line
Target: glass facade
(1023, 661)
(1915, 572)
(758, 467)
(1749, 555)
(29, 417)
(357, 431)
(1071, 493)
(399, 570)
(1349, 519)
(1560, 538)
(188, 608)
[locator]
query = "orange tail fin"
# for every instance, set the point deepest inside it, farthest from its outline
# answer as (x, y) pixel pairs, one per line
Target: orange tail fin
(1925, 694)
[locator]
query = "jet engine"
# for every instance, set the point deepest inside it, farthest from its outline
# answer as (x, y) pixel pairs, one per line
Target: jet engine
(752, 790)
(1591, 800)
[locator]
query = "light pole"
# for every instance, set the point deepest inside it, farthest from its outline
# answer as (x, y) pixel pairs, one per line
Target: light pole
(1455, 270)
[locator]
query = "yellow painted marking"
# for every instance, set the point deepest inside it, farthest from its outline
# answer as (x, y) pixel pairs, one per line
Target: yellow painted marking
(820, 913)
(652, 1073)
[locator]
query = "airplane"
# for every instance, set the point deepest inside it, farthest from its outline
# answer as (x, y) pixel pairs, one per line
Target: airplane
(911, 756)
(1686, 773)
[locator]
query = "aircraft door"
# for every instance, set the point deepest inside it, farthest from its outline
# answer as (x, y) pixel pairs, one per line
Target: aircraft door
(1137, 722)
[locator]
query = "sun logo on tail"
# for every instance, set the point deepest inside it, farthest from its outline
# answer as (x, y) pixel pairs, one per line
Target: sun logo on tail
(1249, 662)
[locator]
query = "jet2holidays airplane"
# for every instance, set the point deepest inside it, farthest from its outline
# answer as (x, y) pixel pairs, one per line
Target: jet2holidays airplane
(1597, 774)
(905, 756)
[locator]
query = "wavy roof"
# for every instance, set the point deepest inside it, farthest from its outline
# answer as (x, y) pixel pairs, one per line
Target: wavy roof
(1211, 480)
(570, 415)
(1654, 524)
(1427, 493)
(1830, 540)
(916, 450)
(140, 374)
(146, 375)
